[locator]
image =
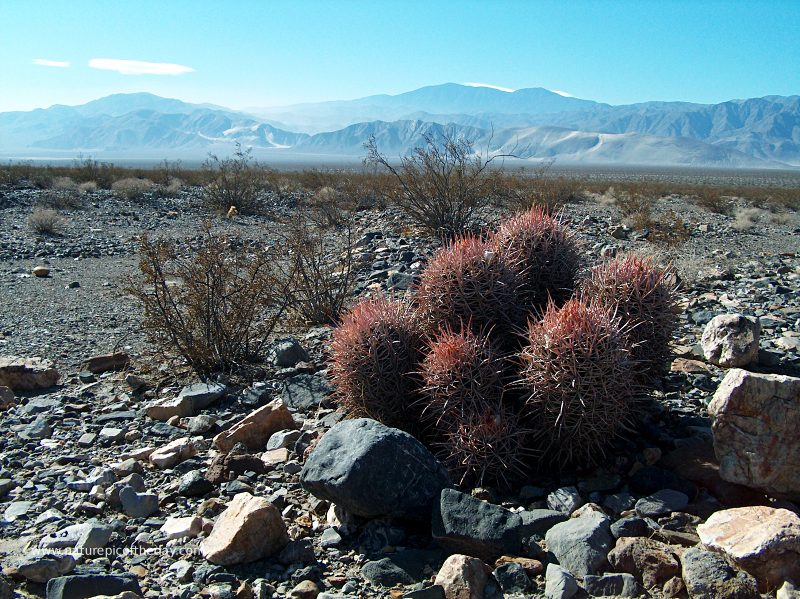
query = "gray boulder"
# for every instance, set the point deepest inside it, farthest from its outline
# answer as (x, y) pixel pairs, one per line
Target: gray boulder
(559, 583)
(611, 585)
(731, 340)
(372, 470)
(708, 575)
(463, 524)
(581, 544)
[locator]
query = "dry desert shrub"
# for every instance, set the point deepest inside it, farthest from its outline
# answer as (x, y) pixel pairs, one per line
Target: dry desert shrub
(747, 218)
(132, 188)
(216, 308)
(45, 221)
(234, 181)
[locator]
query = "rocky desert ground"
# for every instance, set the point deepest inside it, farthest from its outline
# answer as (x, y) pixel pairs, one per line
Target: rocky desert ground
(127, 476)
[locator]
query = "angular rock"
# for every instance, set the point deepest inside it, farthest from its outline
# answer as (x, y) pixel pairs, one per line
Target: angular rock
(285, 353)
(173, 453)
(372, 470)
(84, 586)
(7, 399)
(255, 429)
(17, 509)
(463, 524)
(756, 419)
(188, 402)
(463, 577)
(194, 484)
(559, 583)
(538, 522)
(27, 374)
(512, 578)
(651, 562)
(611, 585)
(385, 573)
(731, 340)
(107, 362)
(761, 540)
(138, 505)
(182, 528)
(662, 502)
(42, 567)
(581, 544)
(305, 391)
(565, 500)
(249, 529)
(708, 575)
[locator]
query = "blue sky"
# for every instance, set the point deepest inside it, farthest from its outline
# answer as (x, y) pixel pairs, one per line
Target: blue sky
(248, 54)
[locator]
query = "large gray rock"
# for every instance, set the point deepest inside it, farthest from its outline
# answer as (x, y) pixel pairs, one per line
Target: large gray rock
(27, 374)
(708, 575)
(611, 585)
(40, 568)
(287, 352)
(84, 586)
(463, 524)
(305, 391)
(731, 340)
(581, 544)
(559, 583)
(756, 419)
(372, 470)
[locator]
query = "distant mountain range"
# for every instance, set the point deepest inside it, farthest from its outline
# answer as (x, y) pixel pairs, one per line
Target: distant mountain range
(534, 124)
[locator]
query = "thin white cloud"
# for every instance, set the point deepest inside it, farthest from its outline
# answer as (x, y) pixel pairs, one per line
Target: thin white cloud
(560, 93)
(497, 87)
(43, 62)
(139, 67)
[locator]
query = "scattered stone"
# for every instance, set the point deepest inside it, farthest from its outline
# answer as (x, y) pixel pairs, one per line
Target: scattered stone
(138, 505)
(307, 589)
(255, 429)
(464, 524)
(565, 500)
(652, 562)
(538, 522)
(708, 575)
(173, 453)
(188, 402)
(631, 526)
(17, 509)
(356, 457)
(581, 544)
(107, 363)
(41, 272)
(512, 578)
(182, 528)
(662, 502)
(285, 353)
(27, 374)
(756, 418)
(7, 399)
(305, 391)
(283, 439)
(84, 586)
(463, 577)
(788, 591)
(251, 528)
(385, 573)
(42, 567)
(763, 541)
(194, 484)
(731, 340)
(611, 585)
(559, 583)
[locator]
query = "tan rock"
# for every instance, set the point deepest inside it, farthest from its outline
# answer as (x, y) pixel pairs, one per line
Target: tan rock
(762, 540)
(41, 272)
(463, 577)
(307, 589)
(756, 419)
(256, 428)
(173, 453)
(27, 374)
(251, 528)
(651, 562)
(274, 457)
(731, 340)
(182, 528)
(532, 567)
(107, 362)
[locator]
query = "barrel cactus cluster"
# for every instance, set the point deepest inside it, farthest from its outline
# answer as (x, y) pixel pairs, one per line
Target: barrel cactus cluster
(508, 357)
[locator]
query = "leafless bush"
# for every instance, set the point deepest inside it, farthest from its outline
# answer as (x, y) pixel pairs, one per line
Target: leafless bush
(60, 199)
(234, 181)
(319, 270)
(45, 221)
(132, 188)
(217, 308)
(444, 186)
(172, 188)
(87, 187)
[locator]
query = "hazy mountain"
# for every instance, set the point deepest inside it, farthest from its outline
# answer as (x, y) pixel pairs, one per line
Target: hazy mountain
(449, 98)
(565, 145)
(533, 123)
